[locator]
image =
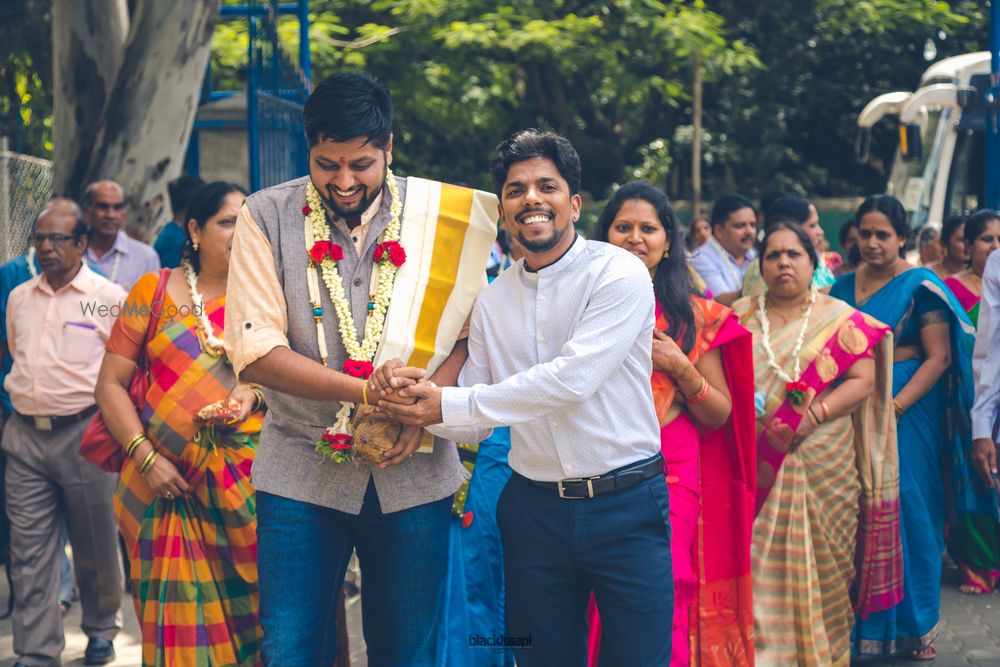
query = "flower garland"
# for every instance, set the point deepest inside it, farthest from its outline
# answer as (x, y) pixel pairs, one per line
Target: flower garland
(336, 441)
(794, 388)
(31, 262)
(210, 343)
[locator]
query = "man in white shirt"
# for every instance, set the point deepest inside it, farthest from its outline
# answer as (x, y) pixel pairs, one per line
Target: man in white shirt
(560, 350)
(986, 369)
(722, 261)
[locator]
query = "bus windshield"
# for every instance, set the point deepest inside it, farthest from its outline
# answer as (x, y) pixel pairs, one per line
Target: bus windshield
(913, 182)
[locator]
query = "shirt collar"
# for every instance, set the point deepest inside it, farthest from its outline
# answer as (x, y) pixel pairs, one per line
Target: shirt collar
(120, 245)
(563, 262)
(748, 255)
(81, 281)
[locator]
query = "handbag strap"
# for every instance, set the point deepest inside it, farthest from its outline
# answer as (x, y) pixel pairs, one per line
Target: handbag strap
(155, 310)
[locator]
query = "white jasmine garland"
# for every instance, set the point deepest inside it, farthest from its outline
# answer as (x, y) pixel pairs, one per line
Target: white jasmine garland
(317, 229)
(765, 326)
(210, 342)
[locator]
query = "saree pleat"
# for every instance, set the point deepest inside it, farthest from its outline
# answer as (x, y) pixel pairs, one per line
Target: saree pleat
(193, 560)
(805, 553)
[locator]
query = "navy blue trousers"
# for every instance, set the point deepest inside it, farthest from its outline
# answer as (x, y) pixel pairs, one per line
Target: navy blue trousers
(557, 551)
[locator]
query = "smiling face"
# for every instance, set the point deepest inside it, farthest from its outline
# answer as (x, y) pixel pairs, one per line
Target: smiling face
(878, 241)
(215, 239)
(738, 233)
(987, 241)
(637, 228)
(538, 210)
(786, 269)
(349, 174)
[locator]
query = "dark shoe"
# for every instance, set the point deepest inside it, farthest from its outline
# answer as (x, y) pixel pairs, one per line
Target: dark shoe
(99, 651)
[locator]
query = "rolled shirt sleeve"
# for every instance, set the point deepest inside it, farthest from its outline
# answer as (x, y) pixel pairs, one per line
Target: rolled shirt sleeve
(256, 312)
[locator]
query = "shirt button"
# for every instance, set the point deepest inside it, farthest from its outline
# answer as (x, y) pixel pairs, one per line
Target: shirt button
(357, 282)
(354, 238)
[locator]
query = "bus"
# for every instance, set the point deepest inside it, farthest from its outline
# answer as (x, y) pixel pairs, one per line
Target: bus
(939, 167)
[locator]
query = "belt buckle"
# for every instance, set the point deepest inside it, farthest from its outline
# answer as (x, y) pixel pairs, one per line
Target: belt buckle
(43, 423)
(590, 487)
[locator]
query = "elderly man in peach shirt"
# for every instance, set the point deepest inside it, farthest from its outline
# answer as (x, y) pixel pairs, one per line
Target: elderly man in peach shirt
(57, 325)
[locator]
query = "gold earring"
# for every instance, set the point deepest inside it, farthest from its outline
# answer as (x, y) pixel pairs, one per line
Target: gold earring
(194, 244)
(666, 253)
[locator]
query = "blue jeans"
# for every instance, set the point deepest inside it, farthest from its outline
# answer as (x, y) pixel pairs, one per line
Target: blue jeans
(302, 555)
(557, 551)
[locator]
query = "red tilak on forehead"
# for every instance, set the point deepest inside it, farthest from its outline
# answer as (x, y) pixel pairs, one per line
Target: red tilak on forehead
(343, 160)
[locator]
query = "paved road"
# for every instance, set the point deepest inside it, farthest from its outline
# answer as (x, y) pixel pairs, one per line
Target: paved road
(971, 634)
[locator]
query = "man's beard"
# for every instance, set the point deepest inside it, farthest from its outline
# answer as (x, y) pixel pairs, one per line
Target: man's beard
(541, 245)
(360, 207)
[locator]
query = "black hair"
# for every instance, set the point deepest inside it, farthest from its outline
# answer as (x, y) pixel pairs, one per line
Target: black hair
(771, 197)
(347, 106)
(779, 223)
(975, 224)
(845, 229)
(181, 190)
(726, 205)
(532, 143)
(951, 226)
(689, 237)
(891, 208)
(793, 207)
(671, 281)
(206, 202)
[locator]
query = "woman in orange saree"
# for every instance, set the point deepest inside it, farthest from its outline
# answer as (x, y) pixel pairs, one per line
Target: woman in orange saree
(184, 503)
(703, 392)
(826, 539)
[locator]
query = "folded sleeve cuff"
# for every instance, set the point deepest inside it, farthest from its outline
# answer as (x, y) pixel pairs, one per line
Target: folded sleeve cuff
(982, 427)
(254, 341)
(456, 407)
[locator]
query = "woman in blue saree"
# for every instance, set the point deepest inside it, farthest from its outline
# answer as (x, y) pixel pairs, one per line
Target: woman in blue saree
(932, 389)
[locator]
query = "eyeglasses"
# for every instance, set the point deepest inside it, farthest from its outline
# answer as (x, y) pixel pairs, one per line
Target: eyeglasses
(57, 239)
(104, 206)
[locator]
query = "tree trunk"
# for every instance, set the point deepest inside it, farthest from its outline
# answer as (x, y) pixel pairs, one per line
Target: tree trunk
(88, 38)
(147, 121)
(696, 141)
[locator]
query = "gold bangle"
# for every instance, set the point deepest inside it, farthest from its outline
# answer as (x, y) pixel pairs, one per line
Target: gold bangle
(259, 401)
(147, 462)
(133, 443)
(897, 407)
(826, 410)
(812, 416)
(364, 393)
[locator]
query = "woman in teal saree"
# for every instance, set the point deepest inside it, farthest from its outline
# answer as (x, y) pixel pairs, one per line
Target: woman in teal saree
(932, 370)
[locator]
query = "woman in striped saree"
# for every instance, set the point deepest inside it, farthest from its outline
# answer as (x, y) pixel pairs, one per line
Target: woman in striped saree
(184, 503)
(826, 529)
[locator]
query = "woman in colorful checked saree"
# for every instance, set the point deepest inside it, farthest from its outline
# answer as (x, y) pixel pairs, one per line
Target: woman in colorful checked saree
(974, 540)
(184, 503)
(827, 502)
(703, 393)
(932, 396)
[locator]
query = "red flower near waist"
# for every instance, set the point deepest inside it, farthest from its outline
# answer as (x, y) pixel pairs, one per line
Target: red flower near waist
(338, 440)
(306, 210)
(797, 392)
(391, 250)
(359, 369)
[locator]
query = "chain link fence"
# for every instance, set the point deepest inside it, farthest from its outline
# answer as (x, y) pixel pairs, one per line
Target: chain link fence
(25, 186)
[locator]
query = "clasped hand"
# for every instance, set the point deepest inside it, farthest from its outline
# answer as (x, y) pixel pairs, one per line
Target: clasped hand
(405, 395)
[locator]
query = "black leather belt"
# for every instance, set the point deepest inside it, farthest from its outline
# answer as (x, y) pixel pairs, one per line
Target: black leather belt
(617, 480)
(41, 423)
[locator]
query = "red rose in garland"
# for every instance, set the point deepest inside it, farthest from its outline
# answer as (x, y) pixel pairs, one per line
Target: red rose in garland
(336, 252)
(319, 250)
(393, 250)
(337, 440)
(797, 392)
(359, 369)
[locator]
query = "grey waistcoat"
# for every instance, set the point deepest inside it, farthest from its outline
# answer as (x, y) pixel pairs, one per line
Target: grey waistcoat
(286, 463)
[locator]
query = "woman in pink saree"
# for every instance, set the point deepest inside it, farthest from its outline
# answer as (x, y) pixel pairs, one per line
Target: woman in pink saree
(703, 392)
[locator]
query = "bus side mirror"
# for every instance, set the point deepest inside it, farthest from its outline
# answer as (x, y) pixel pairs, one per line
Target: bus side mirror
(966, 97)
(910, 148)
(862, 144)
